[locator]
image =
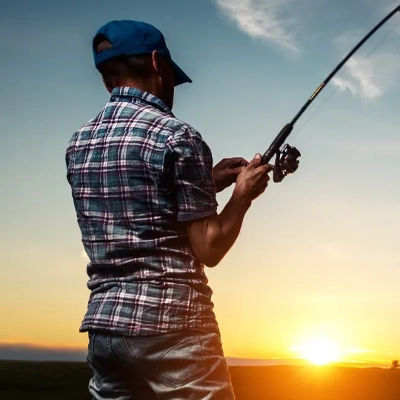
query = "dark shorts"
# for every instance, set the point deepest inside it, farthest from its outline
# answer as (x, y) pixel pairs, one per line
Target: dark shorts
(184, 365)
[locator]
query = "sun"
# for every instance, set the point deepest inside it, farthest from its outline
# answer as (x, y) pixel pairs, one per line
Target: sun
(318, 351)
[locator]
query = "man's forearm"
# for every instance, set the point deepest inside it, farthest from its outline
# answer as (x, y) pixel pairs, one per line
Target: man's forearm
(212, 237)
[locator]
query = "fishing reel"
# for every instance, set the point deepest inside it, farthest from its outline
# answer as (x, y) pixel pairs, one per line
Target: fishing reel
(286, 162)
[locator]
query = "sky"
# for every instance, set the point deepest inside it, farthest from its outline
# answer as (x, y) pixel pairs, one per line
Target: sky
(318, 254)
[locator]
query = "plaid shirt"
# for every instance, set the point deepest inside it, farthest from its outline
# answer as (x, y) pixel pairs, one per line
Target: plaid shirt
(136, 174)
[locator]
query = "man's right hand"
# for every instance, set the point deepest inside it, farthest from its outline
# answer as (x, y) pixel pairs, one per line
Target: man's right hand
(252, 180)
(211, 237)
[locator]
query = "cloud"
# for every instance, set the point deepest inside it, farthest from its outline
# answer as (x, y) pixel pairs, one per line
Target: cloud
(375, 68)
(360, 78)
(30, 352)
(344, 84)
(369, 77)
(261, 19)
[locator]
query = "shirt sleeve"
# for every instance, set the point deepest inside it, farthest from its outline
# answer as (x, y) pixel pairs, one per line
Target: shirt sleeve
(69, 156)
(192, 174)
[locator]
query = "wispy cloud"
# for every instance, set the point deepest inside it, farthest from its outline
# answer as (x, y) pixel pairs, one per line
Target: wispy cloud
(369, 76)
(344, 84)
(360, 78)
(261, 19)
(31, 352)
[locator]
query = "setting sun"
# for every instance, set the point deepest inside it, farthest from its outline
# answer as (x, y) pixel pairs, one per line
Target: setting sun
(318, 351)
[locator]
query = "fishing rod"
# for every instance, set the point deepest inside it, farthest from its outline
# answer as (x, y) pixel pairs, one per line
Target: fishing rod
(286, 157)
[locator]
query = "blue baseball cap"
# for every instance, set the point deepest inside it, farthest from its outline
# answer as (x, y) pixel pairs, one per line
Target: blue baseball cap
(129, 38)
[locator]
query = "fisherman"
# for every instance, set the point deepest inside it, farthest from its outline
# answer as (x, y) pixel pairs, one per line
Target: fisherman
(144, 191)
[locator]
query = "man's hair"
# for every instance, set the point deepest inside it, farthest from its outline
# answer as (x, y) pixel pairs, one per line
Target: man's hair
(121, 68)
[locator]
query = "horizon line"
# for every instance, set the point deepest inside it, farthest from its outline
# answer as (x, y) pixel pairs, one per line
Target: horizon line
(38, 352)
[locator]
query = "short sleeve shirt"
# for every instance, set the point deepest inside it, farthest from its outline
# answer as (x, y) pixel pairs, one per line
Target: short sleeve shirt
(137, 174)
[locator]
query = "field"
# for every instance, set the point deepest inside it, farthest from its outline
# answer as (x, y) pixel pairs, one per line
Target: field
(68, 380)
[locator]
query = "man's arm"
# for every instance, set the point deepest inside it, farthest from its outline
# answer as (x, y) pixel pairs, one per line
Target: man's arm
(213, 236)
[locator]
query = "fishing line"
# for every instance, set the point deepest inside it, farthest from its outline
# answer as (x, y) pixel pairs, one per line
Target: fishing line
(318, 108)
(286, 158)
(323, 103)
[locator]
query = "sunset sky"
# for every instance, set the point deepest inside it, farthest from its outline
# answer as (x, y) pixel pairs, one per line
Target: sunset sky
(318, 256)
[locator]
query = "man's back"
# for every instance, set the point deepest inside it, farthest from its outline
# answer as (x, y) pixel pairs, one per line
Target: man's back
(144, 192)
(136, 174)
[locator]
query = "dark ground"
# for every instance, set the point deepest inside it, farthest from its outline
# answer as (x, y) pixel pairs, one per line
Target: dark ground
(24, 380)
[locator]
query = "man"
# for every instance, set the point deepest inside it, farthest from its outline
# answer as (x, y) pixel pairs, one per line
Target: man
(144, 193)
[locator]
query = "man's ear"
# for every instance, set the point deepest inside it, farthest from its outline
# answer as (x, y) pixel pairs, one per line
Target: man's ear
(155, 59)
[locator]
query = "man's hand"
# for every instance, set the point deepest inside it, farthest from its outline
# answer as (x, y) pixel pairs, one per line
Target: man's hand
(226, 171)
(252, 180)
(211, 237)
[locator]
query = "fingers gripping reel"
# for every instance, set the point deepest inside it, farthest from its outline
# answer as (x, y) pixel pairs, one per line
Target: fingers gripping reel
(286, 162)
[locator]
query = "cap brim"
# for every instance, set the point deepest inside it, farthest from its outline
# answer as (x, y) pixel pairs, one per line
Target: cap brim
(180, 77)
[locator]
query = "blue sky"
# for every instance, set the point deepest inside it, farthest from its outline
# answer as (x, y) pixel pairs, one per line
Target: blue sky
(324, 240)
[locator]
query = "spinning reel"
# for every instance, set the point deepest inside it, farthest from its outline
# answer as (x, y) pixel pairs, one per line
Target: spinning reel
(286, 157)
(286, 162)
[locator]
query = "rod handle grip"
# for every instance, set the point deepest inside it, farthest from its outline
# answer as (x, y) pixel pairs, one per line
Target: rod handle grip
(277, 143)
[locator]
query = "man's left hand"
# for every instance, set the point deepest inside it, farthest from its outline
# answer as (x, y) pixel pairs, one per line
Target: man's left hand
(226, 171)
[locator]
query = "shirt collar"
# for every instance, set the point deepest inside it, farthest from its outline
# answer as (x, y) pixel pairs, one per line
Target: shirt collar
(132, 94)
